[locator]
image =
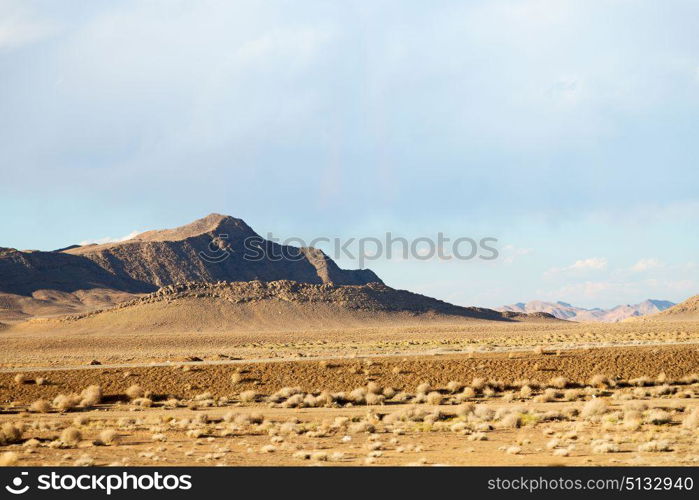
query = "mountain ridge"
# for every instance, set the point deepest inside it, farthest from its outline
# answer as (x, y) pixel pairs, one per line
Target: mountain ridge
(214, 248)
(566, 311)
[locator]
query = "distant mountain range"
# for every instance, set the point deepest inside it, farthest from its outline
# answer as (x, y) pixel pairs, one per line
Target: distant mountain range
(563, 310)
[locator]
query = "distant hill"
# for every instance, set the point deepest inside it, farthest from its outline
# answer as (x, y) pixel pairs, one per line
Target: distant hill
(256, 305)
(687, 310)
(563, 310)
(208, 250)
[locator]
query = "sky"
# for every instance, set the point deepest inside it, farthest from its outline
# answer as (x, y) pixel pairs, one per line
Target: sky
(567, 130)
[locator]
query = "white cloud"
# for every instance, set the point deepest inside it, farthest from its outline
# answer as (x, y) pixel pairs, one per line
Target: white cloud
(591, 264)
(109, 239)
(510, 253)
(646, 264)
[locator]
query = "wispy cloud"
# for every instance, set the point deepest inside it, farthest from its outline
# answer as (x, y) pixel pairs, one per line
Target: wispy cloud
(109, 239)
(590, 264)
(646, 264)
(510, 253)
(19, 26)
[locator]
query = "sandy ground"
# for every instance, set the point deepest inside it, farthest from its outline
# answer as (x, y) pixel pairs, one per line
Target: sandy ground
(49, 348)
(527, 395)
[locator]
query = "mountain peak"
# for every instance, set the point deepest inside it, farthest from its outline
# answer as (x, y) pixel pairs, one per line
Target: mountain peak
(211, 224)
(209, 250)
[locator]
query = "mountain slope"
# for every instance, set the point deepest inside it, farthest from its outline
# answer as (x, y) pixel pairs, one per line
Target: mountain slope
(687, 310)
(256, 305)
(563, 310)
(215, 248)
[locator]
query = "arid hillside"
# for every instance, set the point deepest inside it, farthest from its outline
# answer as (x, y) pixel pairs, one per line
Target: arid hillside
(687, 310)
(49, 303)
(257, 305)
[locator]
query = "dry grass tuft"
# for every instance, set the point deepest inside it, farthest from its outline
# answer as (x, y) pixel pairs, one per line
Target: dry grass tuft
(9, 459)
(594, 408)
(691, 421)
(40, 406)
(135, 392)
(108, 437)
(70, 437)
(10, 433)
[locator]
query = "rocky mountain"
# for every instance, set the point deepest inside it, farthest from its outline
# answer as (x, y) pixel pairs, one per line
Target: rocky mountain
(215, 248)
(563, 310)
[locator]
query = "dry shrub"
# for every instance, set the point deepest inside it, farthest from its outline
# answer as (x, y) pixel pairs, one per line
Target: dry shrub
(483, 412)
(478, 383)
(248, 396)
(108, 437)
(559, 382)
(236, 378)
(374, 399)
(135, 392)
(547, 396)
(594, 407)
(658, 417)
(423, 388)
(9, 459)
(525, 392)
(478, 436)
(40, 406)
(84, 460)
(143, 402)
(663, 390)
(295, 401)
(358, 396)
(10, 433)
(65, 403)
(40, 381)
(389, 392)
(81, 420)
(691, 421)
(373, 388)
(511, 421)
(599, 381)
(21, 378)
(91, 396)
(70, 437)
(453, 386)
(637, 406)
(640, 381)
(571, 394)
(655, 446)
(434, 398)
(601, 446)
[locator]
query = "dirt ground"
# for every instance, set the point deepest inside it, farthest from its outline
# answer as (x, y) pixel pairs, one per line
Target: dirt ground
(52, 348)
(479, 395)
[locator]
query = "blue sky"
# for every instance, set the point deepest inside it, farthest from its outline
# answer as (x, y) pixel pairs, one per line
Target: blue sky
(566, 129)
